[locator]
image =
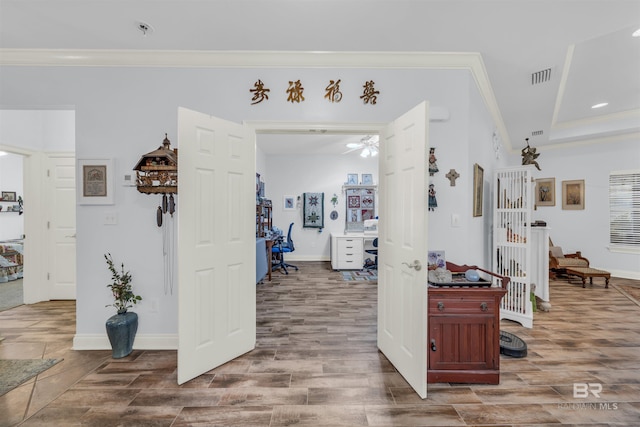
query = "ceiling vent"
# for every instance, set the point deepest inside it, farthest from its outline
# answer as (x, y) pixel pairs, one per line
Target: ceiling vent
(536, 133)
(541, 76)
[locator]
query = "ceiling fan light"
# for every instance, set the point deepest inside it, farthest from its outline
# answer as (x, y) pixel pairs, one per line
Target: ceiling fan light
(374, 151)
(636, 33)
(365, 152)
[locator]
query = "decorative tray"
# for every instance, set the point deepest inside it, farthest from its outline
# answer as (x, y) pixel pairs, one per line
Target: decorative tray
(459, 280)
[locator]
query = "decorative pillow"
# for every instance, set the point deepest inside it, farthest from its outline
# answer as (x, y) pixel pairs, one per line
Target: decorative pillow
(556, 251)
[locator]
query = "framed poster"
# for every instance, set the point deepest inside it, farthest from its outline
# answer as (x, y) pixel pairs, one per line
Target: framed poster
(573, 194)
(478, 186)
(352, 179)
(8, 196)
(95, 181)
(545, 192)
(289, 203)
(367, 179)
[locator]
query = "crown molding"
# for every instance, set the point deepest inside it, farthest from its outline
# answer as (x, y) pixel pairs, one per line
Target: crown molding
(470, 61)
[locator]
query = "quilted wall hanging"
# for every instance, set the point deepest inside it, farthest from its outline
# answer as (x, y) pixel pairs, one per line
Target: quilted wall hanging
(313, 210)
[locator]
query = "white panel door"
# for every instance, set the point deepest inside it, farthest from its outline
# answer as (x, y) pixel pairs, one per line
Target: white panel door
(216, 242)
(61, 253)
(402, 245)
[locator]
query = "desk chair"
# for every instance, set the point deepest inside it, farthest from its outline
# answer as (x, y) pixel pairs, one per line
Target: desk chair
(280, 248)
(374, 266)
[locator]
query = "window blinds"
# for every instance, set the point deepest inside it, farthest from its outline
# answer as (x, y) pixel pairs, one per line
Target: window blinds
(624, 208)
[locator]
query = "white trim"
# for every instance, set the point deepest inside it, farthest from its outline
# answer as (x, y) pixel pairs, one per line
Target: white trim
(141, 342)
(471, 61)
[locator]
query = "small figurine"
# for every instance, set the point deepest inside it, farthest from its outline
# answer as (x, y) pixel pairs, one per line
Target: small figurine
(529, 155)
(433, 166)
(433, 203)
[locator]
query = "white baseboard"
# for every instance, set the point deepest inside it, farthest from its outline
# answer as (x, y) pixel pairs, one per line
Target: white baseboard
(142, 342)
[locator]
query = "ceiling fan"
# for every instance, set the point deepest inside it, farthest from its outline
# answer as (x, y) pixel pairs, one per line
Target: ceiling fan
(368, 145)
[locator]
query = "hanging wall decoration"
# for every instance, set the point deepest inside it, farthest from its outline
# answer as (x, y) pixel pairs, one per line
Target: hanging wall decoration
(433, 165)
(313, 210)
(157, 173)
(433, 203)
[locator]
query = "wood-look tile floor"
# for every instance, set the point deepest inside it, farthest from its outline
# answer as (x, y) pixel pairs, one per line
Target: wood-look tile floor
(316, 364)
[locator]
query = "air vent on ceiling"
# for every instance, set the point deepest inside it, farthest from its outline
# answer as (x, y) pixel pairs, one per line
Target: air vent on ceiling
(536, 133)
(541, 76)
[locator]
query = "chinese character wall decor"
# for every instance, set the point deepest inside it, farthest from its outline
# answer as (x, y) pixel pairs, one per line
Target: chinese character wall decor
(260, 93)
(332, 91)
(370, 94)
(295, 91)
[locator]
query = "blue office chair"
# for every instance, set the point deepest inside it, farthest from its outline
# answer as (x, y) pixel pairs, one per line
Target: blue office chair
(374, 266)
(281, 247)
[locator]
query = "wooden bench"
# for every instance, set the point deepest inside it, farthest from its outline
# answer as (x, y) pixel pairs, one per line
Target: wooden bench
(587, 272)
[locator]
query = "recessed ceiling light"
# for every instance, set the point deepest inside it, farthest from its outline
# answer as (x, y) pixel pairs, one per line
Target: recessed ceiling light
(602, 104)
(636, 33)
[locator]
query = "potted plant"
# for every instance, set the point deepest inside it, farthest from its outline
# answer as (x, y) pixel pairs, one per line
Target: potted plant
(121, 327)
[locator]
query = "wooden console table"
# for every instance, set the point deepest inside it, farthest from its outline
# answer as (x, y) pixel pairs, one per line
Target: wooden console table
(464, 331)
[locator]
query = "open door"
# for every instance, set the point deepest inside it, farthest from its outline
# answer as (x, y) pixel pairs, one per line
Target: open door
(402, 246)
(216, 242)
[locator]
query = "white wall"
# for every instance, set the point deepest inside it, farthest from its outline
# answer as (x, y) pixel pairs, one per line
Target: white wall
(588, 230)
(11, 223)
(122, 113)
(38, 130)
(295, 175)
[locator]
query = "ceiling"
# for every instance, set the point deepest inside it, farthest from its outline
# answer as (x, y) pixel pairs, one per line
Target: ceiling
(548, 61)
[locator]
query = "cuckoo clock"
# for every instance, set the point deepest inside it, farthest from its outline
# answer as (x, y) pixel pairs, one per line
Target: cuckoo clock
(157, 171)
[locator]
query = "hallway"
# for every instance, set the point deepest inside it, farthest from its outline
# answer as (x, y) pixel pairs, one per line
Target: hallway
(316, 364)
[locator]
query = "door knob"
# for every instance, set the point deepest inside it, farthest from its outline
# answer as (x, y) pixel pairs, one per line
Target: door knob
(415, 264)
(433, 345)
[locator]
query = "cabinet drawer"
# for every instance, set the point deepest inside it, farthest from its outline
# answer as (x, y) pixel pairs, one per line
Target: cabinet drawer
(346, 246)
(461, 305)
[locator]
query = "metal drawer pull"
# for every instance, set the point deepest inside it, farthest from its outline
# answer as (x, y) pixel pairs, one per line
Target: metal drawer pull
(484, 306)
(433, 345)
(440, 306)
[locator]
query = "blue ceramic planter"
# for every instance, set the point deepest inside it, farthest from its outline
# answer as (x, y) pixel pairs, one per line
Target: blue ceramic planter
(121, 329)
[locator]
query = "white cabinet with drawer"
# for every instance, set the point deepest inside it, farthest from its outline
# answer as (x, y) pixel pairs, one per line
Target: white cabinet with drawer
(347, 251)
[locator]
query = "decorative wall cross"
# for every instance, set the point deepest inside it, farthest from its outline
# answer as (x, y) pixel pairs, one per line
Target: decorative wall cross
(452, 175)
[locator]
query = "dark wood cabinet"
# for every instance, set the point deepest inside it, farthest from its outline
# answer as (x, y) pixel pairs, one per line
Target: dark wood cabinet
(464, 334)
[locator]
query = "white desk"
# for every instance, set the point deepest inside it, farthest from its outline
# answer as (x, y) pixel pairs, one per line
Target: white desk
(348, 250)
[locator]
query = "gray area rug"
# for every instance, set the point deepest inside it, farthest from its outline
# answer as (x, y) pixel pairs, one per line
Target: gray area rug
(11, 294)
(14, 372)
(357, 276)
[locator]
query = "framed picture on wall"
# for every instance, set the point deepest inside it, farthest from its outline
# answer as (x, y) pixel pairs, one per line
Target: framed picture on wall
(478, 187)
(352, 179)
(573, 194)
(367, 179)
(95, 186)
(8, 196)
(289, 203)
(545, 192)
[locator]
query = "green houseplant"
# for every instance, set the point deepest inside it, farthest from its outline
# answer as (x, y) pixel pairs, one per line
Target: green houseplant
(121, 327)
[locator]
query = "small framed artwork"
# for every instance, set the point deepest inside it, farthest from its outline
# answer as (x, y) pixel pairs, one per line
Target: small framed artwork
(367, 179)
(352, 179)
(95, 186)
(478, 187)
(545, 192)
(289, 203)
(573, 194)
(8, 196)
